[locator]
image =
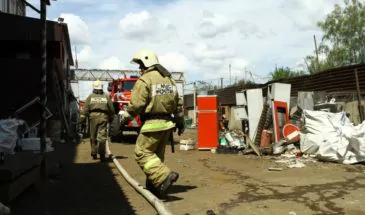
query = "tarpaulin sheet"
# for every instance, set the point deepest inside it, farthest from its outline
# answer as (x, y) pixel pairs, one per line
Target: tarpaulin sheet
(332, 137)
(9, 134)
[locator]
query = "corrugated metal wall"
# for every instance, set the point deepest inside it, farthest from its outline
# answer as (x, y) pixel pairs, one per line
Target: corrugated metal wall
(338, 80)
(334, 80)
(26, 28)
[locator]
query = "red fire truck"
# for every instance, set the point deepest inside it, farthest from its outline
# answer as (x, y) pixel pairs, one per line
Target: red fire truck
(120, 93)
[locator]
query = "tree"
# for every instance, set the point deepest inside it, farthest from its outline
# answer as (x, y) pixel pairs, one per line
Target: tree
(343, 42)
(284, 72)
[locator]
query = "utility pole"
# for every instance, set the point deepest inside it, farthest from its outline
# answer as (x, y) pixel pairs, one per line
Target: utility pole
(76, 62)
(358, 92)
(315, 46)
(230, 80)
(194, 92)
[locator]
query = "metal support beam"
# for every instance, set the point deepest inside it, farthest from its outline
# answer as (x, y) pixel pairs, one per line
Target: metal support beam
(43, 94)
(31, 6)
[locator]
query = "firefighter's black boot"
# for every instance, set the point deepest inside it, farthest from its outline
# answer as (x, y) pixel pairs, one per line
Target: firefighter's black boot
(152, 189)
(94, 156)
(102, 157)
(170, 179)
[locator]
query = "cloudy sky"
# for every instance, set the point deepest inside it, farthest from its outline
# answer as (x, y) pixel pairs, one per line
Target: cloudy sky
(198, 37)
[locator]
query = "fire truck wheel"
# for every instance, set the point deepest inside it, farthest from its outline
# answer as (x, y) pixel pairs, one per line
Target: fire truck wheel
(115, 132)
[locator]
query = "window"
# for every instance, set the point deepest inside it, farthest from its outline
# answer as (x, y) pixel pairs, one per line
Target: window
(128, 85)
(12, 7)
(20, 8)
(4, 6)
(20, 11)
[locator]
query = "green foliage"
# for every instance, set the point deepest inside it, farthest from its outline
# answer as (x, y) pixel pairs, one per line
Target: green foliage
(243, 83)
(343, 42)
(285, 72)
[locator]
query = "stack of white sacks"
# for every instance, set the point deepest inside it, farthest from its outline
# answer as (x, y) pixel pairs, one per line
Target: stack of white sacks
(11, 136)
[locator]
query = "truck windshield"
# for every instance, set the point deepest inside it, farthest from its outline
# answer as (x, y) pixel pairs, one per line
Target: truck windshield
(128, 85)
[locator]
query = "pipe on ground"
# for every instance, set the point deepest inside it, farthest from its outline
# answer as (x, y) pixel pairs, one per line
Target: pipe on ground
(152, 199)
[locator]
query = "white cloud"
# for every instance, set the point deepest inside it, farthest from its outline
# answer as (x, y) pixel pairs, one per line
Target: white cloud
(212, 63)
(213, 25)
(237, 69)
(111, 63)
(175, 62)
(78, 29)
(239, 63)
(255, 35)
(300, 65)
(144, 25)
(206, 51)
(306, 14)
(85, 55)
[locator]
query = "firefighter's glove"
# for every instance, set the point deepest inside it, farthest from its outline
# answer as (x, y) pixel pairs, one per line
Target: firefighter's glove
(125, 117)
(82, 119)
(110, 118)
(180, 128)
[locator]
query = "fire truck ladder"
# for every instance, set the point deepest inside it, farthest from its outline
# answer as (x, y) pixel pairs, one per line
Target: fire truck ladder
(109, 75)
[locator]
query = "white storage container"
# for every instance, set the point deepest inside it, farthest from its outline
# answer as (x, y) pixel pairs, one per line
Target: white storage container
(186, 145)
(34, 144)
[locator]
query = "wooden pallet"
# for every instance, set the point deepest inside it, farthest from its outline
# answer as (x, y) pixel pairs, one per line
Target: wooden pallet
(19, 171)
(261, 124)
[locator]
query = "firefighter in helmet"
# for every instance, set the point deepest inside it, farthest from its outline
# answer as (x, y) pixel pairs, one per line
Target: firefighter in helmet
(156, 100)
(99, 109)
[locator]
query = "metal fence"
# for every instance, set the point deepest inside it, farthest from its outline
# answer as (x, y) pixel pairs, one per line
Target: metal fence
(338, 81)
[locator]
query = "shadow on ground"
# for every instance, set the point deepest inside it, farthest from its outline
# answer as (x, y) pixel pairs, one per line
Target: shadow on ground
(320, 198)
(80, 188)
(129, 138)
(181, 188)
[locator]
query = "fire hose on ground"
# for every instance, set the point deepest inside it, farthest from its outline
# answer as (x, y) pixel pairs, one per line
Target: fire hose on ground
(159, 206)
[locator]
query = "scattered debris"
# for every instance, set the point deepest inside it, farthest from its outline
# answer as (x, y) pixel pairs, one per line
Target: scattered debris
(297, 164)
(275, 169)
(290, 160)
(253, 146)
(231, 142)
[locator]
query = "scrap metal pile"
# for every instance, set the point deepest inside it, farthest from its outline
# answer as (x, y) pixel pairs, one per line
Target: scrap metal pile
(315, 127)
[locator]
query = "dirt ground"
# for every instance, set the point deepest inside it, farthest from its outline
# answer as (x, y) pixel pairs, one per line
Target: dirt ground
(224, 183)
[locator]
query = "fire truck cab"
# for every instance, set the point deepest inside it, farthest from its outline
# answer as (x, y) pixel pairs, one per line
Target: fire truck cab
(120, 91)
